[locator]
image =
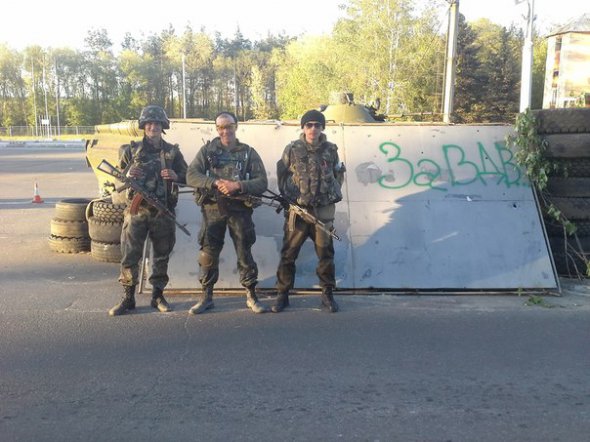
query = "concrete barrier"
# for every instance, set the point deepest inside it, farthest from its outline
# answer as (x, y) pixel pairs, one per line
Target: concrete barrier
(426, 208)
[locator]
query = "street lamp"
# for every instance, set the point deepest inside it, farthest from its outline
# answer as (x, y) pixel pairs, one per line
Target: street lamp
(183, 89)
(450, 60)
(34, 97)
(527, 57)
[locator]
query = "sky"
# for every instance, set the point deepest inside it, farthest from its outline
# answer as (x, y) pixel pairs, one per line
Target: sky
(64, 23)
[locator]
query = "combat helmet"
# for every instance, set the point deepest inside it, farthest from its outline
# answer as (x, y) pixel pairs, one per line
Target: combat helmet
(154, 113)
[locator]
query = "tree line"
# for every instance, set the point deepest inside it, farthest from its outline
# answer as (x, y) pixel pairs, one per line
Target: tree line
(387, 50)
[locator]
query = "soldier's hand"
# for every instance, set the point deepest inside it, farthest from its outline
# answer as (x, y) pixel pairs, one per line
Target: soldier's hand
(169, 174)
(228, 187)
(135, 172)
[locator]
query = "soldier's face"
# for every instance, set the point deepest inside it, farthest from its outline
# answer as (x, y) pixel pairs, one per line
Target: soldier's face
(226, 128)
(312, 131)
(153, 130)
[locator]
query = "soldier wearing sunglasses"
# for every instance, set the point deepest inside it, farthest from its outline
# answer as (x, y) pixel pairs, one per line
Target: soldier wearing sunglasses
(226, 167)
(310, 174)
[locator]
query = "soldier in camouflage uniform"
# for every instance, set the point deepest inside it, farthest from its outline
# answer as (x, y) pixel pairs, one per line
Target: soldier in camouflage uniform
(156, 164)
(310, 174)
(222, 168)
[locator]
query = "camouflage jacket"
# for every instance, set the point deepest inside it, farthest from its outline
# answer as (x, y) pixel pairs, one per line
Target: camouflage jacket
(214, 160)
(151, 161)
(311, 175)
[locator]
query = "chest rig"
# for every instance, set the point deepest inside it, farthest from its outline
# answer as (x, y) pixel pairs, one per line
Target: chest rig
(152, 161)
(313, 181)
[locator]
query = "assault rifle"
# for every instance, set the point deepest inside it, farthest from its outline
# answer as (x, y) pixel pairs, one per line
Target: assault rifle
(146, 195)
(280, 202)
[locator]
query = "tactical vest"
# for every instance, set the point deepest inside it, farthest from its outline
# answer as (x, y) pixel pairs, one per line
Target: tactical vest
(221, 163)
(313, 182)
(229, 165)
(151, 161)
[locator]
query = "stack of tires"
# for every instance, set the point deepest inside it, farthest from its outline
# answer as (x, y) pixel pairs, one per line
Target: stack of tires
(105, 222)
(69, 229)
(567, 132)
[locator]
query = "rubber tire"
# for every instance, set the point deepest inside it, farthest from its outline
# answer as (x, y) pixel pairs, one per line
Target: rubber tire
(562, 259)
(573, 209)
(73, 209)
(568, 145)
(105, 252)
(104, 231)
(571, 167)
(569, 187)
(69, 245)
(563, 121)
(554, 229)
(69, 229)
(108, 212)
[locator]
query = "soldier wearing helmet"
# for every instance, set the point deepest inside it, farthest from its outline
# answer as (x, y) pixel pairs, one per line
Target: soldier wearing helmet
(156, 165)
(151, 114)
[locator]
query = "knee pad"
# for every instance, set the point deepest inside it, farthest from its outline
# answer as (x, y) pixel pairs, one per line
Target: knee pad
(207, 260)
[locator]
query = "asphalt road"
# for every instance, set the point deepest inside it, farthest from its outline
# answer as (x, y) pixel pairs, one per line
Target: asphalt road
(385, 368)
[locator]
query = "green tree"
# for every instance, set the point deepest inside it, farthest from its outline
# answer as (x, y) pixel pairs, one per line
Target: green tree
(539, 64)
(12, 88)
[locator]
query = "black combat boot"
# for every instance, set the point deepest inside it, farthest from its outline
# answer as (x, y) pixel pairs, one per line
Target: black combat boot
(205, 303)
(328, 301)
(281, 303)
(252, 300)
(127, 302)
(158, 301)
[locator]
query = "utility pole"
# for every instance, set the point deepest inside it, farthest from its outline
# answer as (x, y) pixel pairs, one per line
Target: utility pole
(450, 60)
(57, 98)
(183, 90)
(34, 97)
(47, 123)
(526, 74)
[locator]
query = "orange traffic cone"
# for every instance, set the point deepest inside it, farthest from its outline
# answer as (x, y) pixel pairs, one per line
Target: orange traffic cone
(36, 197)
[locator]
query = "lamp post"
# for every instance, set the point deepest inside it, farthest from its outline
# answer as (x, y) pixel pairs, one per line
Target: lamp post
(57, 98)
(527, 57)
(34, 97)
(450, 60)
(183, 89)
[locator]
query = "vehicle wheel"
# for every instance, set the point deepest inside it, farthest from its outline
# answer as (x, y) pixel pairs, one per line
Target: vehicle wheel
(61, 244)
(73, 209)
(105, 252)
(104, 231)
(69, 229)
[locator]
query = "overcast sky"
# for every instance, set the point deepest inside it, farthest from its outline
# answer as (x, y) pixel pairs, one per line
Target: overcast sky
(58, 23)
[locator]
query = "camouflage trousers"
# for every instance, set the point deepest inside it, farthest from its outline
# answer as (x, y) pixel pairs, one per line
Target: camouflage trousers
(212, 237)
(162, 234)
(293, 240)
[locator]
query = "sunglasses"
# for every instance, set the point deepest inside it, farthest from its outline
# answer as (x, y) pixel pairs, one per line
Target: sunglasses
(316, 125)
(226, 126)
